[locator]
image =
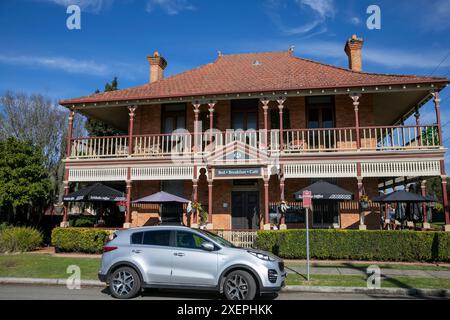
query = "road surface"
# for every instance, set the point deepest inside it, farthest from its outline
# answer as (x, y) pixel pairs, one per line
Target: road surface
(39, 292)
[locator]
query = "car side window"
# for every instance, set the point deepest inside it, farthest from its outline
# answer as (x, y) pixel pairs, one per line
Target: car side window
(157, 238)
(136, 238)
(189, 240)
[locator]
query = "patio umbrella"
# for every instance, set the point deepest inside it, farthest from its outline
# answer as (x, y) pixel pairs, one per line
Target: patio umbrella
(95, 193)
(402, 196)
(323, 190)
(161, 197)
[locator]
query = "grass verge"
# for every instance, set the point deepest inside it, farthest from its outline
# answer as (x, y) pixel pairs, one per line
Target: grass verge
(364, 265)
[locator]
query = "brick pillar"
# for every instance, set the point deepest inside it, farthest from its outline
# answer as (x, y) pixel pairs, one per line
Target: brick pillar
(281, 101)
(127, 223)
(355, 98)
(132, 113)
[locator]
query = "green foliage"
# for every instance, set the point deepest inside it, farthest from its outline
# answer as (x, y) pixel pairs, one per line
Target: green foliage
(79, 239)
(23, 178)
(377, 245)
(83, 222)
(19, 239)
(430, 136)
(97, 128)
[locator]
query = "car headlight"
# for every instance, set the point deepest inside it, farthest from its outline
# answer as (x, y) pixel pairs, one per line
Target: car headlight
(261, 256)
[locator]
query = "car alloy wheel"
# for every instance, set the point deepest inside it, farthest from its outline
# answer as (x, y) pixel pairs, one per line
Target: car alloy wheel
(123, 283)
(237, 287)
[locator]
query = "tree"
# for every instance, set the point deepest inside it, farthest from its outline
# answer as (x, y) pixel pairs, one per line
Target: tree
(24, 181)
(430, 136)
(97, 128)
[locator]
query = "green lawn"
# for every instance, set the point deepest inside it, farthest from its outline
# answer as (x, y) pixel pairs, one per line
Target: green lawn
(46, 266)
(364, 265)
(361, 281)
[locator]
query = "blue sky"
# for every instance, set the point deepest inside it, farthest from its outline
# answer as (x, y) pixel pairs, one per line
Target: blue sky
(38, 54)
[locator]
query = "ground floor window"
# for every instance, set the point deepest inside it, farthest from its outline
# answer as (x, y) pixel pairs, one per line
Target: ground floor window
(325, 213)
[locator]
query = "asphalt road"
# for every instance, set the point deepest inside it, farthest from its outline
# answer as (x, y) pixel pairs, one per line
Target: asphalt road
(37, 292)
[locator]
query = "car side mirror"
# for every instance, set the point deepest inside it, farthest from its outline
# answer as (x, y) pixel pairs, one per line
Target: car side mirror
(208, 246)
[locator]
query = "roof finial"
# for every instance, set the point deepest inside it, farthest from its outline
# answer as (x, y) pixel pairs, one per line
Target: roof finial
(219, 53)
(291, 48)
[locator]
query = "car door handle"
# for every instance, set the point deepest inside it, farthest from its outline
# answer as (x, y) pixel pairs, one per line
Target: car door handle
(178, 254)
(136, 251)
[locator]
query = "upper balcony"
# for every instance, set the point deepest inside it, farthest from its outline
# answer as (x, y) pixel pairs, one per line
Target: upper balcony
(374, 139)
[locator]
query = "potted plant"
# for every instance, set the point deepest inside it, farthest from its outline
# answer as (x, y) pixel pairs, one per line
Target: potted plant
(203, 215)
(364, 202)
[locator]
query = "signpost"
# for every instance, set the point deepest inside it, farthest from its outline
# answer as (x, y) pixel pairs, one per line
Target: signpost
(307, 196)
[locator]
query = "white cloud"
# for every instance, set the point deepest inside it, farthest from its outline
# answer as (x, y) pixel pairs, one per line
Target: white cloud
(171, 7)
(355, 21)
(61, 63)
(395, 59)
(317, 11)
(94, 6)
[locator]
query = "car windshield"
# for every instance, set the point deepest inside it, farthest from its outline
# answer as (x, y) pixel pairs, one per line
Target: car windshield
(218, 239)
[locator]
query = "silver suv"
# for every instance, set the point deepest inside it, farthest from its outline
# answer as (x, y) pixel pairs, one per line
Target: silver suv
(183, 258)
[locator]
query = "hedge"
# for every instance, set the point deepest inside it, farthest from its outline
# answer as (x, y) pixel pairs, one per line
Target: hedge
(85, 240)
(19, 239)
(358, 245)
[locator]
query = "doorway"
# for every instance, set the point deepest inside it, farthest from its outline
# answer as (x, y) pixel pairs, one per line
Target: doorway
(245, 210)
(172, 213)
(325, 213)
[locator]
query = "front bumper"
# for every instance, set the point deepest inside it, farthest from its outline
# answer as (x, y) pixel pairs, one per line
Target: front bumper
(275, 288)
(102, 277)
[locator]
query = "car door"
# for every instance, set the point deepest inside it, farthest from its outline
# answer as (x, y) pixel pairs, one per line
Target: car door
(154, 251)
(193, 265)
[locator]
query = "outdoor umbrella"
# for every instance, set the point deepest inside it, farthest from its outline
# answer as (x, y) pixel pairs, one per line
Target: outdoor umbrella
(95, 193)
(402, 196)
(323, 190)
(161, 197)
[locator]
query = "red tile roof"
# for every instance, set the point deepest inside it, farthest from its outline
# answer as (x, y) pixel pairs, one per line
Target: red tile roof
(254, 73)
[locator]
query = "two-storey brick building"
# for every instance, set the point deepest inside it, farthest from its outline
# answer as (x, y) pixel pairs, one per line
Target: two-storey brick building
(271, 124)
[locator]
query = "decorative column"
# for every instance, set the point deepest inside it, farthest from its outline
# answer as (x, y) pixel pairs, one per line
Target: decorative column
(355, 98)
(131, 113)
(266, 203)
(211, 120)
(418, 131)
(265, 102)
(281, 101)
(197, 135)
(445, 197)
(437, 100)
(194, 198)
(209, 225)
(423, 188)
(127, 223)
(360, 186)
(65, 221)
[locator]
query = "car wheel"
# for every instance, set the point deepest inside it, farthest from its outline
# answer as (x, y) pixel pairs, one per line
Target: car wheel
(239, 285)
(125, 283)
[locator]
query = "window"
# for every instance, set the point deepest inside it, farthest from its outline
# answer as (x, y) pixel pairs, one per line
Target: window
(173, 117)
(157, 238)
(275, 119)
(136, 238)
(320, 112)
(189, 240)
(244, 114)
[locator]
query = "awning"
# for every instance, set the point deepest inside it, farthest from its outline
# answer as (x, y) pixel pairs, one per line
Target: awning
(95, 193)
(161, 197)
(403, 196)
(323, 190)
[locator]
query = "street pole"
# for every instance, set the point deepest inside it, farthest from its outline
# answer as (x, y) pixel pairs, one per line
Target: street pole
(307, 243)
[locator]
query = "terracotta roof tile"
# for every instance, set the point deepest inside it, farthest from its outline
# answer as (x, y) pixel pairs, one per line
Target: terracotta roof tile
(254, 72)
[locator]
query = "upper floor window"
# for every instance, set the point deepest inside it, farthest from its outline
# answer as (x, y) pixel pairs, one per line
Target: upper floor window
(244, 114)
(320, 112)
(275, 119)
(173, 117)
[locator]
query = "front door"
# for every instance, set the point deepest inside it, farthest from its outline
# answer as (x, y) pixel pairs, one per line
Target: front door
(245, 210)
(325, 213)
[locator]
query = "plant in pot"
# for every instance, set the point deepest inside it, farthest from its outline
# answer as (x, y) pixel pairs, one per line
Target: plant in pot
(202, 214)
(364, 202)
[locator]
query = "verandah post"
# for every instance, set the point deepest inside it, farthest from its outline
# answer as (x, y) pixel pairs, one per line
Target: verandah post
(355, 98)
(65, 221)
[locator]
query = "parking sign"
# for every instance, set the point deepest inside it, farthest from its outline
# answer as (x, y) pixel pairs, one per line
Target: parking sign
(307, 195)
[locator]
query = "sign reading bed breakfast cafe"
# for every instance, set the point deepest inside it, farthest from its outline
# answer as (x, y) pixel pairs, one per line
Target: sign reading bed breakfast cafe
(237, 172)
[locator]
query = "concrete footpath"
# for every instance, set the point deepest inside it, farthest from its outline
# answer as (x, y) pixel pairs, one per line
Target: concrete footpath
(350, 271)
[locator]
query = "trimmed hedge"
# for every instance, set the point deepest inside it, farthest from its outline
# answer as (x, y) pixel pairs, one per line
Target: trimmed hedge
(19, 239)
(85, 240)
(358, 245)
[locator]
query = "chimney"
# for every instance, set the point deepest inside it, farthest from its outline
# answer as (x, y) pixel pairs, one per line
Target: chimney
(353, 49)
(157, 66)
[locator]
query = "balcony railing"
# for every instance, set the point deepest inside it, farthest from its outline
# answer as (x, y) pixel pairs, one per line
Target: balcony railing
(294, 142)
